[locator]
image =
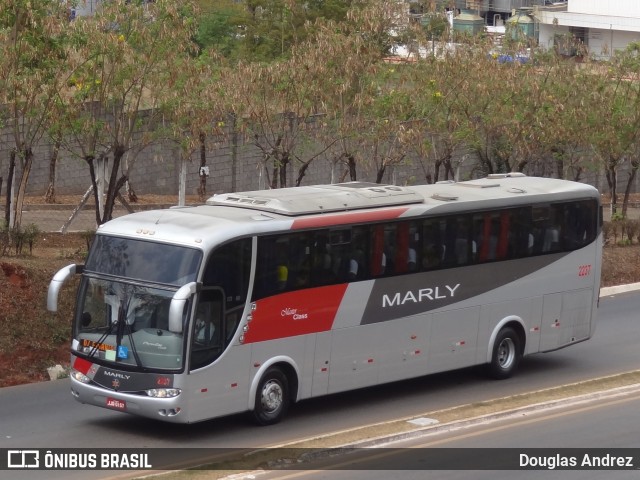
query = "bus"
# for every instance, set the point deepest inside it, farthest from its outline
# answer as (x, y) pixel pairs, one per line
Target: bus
(256, 300)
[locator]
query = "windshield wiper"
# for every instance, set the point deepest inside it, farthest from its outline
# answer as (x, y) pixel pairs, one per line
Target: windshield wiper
(96, 346)
(122, 326)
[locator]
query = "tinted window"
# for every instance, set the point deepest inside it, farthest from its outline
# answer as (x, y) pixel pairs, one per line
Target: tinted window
(143, 260)
(291, 261)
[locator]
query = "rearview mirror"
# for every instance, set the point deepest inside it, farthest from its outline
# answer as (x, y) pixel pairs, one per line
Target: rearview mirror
(57, 282)
(178, 302)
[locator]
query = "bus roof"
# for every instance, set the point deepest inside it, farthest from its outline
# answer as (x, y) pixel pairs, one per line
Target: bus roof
(320, 198)
(298, 201)
(247, 213)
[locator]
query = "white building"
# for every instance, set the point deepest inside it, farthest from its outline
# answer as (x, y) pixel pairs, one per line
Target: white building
(604, 26)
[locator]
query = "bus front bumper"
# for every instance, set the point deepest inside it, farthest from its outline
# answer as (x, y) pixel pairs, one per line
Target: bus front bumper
(165, 409)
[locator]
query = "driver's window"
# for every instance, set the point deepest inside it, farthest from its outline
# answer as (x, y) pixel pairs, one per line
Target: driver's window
(225, 283)
(207, 322)
(207, 335)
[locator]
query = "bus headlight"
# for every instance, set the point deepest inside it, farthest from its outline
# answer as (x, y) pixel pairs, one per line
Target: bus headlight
(80, 377)
(163, 392)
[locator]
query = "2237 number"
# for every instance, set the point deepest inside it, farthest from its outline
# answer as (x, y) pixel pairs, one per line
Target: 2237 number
(584, 270)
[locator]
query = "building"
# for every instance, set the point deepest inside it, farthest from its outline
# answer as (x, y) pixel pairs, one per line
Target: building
(603, 26)
(85, 7)
(494, 12)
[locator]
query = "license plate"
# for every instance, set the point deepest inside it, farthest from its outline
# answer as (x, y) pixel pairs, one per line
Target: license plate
(116, 404)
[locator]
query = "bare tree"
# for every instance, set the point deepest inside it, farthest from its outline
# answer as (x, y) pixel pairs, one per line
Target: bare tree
(124, 65)
(32, 52)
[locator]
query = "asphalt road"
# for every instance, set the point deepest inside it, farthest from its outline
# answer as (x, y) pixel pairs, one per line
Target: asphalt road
(577, 436)
(45, 416)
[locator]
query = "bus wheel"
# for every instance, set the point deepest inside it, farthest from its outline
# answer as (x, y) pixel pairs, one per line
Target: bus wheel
(506, 354)
(272, 397)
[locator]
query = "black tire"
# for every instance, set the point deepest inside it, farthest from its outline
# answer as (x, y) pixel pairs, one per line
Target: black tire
(507, 353)
(272, 397)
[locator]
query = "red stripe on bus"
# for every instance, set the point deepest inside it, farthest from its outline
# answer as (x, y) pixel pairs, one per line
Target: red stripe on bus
(347, 218)
(295, 313)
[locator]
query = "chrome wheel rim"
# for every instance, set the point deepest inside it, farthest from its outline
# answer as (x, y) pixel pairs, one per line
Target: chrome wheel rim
(506, 353)
(271, 397)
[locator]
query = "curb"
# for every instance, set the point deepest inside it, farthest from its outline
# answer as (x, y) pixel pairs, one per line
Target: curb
(385, 440)
(495, 417)
(608, 291)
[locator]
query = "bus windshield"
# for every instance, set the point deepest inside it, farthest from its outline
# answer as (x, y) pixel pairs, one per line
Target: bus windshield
(127, 324)
(143, 260)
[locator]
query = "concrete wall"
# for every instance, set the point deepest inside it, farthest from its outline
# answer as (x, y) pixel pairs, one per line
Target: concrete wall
(156, 169)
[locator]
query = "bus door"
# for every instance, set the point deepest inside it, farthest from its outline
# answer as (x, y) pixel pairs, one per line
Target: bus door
(218, 364)
(566, 318)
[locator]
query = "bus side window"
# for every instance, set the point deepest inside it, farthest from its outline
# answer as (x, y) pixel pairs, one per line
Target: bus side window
(552, 238)
(432, 257)
(379, 246)
(521, 239)
(299, 259)
(272, 267)
(358, 267)
(579, 225)
(321, 262)
(460, 245)
(433, 245)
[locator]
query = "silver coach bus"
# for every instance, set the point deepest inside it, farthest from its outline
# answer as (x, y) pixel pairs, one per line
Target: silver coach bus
(260, 299)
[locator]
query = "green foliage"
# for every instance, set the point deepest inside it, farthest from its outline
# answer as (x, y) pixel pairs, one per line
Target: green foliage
(621, 231)
(21, 237)
(435, 25)
(17, 238)
(221, 28)
(5, 238)
(265, 30)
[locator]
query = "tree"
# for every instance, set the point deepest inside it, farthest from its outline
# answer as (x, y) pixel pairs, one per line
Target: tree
(352, 83)
(221, 26)
(125, 62)
(613, 118)
(627, 67)
(273, 27)
(33, 36)
(195, 111)
(282, 105)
